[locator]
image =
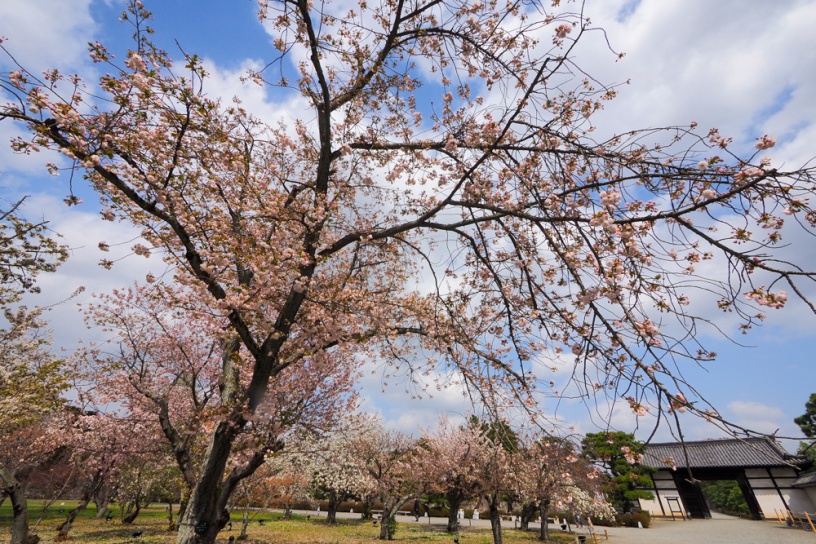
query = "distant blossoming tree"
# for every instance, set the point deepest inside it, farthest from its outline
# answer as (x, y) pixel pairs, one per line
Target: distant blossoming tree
(388, 457)
(160, 378)
(554, 474)
(336, 472)
(448, 456)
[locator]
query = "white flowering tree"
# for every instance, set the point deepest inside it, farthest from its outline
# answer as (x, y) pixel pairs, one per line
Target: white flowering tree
(337, 473)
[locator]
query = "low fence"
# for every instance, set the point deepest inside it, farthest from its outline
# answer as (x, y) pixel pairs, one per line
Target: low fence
(803, 520)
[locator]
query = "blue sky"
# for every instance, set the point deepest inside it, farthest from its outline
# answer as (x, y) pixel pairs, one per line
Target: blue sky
(745, 66)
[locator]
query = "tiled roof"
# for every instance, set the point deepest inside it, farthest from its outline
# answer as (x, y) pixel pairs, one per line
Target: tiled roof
(731, 452)
(805, 480)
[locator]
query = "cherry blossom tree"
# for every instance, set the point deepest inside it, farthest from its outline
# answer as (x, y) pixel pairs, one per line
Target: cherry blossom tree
(142, 480)
(162, 377)
(289, 486)
(448, 457)
(552, 473)
(277, 480)
(337, 472)
(99, 449)
(23, 451)
(389, 458)
(445, 141)
(26, 250)
(497, 473)
(31, 379)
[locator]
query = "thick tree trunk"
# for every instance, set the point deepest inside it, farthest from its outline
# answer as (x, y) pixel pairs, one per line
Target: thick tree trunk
(544, 512)
(101, 499)
(388, 521)
(202, 519)
(102, 509)
(19, 506)
(454, 503)
(133, 512)
(528, 512)
(13, 486)
(495, 522)
(388, 524)
(334, 504)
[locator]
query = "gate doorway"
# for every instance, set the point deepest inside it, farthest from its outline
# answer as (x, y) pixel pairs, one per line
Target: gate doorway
(693, 496)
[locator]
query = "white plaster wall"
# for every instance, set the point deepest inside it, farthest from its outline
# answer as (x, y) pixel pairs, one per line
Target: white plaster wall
(769, 500)
(801, 500)
(664, 488)
(811, 494)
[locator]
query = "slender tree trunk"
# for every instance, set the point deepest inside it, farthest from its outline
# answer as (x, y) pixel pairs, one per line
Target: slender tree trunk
(133, 513)
(244, 525)
(65, 527)
(544, 512)
(495, 522)
(184, 498)
(368, 506)
(171, 524)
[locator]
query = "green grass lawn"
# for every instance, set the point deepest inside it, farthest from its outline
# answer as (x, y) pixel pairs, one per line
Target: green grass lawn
(153, 524)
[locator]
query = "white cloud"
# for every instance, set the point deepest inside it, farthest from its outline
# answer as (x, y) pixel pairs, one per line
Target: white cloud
(265, 102)
(407, 407)
(754, 409)
(47, 33)
(82, 231)
(722, 63)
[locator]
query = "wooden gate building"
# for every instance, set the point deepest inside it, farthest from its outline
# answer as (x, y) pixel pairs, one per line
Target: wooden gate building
(764, 471)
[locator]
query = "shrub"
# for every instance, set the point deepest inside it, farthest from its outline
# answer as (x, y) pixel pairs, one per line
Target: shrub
(392, 528)
(440, 512)
(631, 519)
(604, 522)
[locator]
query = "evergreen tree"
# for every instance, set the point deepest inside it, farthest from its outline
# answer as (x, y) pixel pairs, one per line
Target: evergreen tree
(620, 454)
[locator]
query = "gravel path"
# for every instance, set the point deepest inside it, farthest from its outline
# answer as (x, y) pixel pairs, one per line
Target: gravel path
(718, 530)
